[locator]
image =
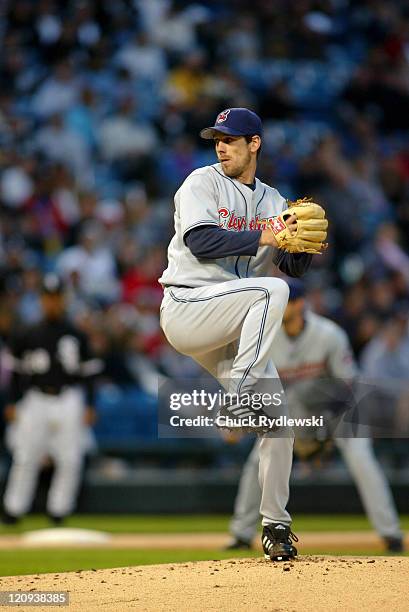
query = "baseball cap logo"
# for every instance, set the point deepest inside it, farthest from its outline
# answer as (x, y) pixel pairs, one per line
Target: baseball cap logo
(222, 116)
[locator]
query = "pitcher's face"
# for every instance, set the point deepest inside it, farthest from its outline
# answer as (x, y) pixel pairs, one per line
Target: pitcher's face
(234, 153)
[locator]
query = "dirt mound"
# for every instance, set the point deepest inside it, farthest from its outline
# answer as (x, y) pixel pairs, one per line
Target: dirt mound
(308, 584)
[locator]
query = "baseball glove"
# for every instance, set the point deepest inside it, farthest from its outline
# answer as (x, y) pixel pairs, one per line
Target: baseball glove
(311, 228)
(311, 448)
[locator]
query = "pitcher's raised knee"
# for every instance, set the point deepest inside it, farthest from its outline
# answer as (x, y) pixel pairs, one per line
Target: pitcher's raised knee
(279, 291)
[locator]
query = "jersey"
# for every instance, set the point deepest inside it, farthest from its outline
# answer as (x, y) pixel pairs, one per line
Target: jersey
(322, 349)
(320, 352)
(209, 197)
(51, 356)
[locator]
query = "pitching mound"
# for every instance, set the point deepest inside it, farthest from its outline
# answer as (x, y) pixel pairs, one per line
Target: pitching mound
(308, 584)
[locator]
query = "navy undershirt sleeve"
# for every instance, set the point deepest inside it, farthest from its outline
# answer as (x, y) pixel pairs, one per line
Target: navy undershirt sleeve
(292, 264)
(212, 242)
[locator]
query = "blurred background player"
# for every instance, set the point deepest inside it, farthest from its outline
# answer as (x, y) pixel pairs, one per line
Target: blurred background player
(51, 368)
(308, 347)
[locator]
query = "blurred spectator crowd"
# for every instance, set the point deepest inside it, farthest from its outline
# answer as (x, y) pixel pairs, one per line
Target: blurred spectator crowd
(100, 108)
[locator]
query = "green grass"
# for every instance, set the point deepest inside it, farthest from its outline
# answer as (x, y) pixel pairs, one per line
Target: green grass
(41, 560)
(188, 523)
(32, 561)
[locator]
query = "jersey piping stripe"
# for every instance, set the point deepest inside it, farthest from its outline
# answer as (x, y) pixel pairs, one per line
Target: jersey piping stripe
(260, 200)
(257, 205)
(244, 198)
(263, 319)
(235, 186)
(236, 268)
(198, 223)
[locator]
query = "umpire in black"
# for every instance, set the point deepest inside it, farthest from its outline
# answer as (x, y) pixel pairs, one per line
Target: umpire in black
(50, 407)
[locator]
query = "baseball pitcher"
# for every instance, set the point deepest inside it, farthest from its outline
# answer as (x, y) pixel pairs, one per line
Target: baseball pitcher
(221, 305)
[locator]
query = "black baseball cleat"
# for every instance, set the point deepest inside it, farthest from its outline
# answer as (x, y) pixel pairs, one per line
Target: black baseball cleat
(394, 545)
(277, 542)
(238, 544)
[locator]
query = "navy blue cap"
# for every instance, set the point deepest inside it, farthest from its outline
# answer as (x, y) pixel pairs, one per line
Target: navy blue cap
(297, 289)
(235, 122)
(52, 284)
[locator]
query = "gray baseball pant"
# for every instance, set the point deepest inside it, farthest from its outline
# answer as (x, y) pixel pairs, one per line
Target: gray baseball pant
(229, 329)
(369, 478)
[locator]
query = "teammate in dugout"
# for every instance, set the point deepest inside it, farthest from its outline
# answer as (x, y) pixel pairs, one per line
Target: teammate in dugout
(221, 306)
(51, 367)
(309, 348)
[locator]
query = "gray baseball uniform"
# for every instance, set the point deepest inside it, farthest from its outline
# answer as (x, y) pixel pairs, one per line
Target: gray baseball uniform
(209, 197)
(226, 312)
(321, 349)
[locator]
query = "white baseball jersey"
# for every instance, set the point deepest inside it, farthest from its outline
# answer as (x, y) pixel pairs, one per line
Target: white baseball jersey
(209, 197)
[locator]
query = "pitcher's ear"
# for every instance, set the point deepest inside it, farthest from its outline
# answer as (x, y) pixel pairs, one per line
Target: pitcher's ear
(255, 144)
